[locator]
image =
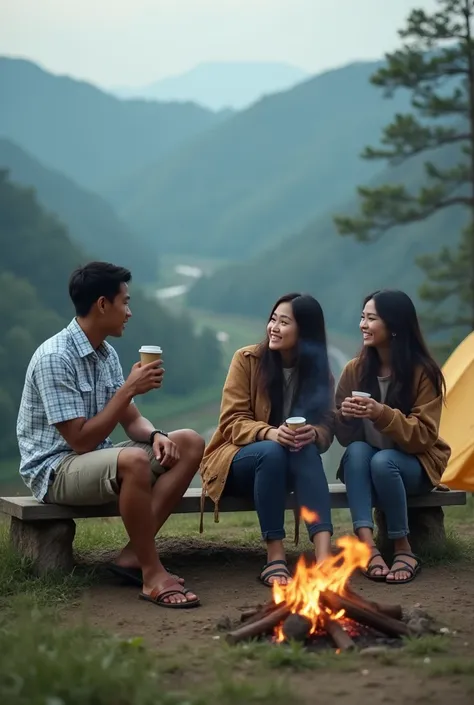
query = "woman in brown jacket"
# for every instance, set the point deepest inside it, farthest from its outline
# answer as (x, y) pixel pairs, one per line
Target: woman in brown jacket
(253, 452)
(389, 402)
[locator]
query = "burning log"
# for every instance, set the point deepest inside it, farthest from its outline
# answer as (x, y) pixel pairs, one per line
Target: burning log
(394, 611)
(296, 627)
(340, 637)
(364, 615)
(261, 626)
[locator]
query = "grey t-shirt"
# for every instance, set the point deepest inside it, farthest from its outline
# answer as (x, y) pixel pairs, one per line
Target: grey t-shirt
(289, 388)
(372, 435)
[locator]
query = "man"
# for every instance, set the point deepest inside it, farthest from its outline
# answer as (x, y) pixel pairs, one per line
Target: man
(74, 397)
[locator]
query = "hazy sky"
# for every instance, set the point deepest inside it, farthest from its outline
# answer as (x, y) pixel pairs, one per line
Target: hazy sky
(133, 42)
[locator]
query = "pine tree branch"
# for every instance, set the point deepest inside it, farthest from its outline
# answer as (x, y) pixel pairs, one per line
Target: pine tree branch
(406, 136)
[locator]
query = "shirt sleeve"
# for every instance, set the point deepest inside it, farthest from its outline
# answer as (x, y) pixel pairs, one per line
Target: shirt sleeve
(56, 383)
(117, 372)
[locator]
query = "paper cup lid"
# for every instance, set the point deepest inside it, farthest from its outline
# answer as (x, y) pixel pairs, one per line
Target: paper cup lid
(361, 394)
(296, 419)
(151, 349)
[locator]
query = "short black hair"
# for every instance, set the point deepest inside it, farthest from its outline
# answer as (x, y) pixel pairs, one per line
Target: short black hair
(87, 284)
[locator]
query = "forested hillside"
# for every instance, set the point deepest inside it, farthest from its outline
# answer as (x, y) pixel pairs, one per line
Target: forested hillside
(37, 259)
(337, 270)
(91, 221)
(91, 136)
(263, 173)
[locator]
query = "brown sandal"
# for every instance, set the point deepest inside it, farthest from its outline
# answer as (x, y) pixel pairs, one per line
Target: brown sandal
(158, 595)
(371, 567)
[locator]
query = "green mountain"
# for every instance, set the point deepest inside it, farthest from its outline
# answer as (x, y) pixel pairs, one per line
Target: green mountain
(91, 221)
(266, 171)
(338, 270)
(85, 133)
(37, 259)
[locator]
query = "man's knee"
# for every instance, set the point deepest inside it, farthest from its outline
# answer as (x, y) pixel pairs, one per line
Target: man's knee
(189, 443)
(134, 463)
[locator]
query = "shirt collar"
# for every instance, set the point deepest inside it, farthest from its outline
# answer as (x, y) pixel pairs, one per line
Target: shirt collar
(82, 342)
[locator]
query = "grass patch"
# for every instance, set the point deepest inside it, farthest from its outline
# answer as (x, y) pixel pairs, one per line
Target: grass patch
(43, 664)
(427, 645)
(18, 581)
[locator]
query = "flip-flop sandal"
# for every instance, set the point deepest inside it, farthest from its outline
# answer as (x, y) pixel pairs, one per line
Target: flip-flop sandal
(281, 572)
(406, 568)
(371, 567)
(158, 595)
(133, 576)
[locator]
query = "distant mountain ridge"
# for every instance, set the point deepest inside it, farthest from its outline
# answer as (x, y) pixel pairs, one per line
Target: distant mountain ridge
(90, 136)
(266, 171)
(220, 85)
(91, 221)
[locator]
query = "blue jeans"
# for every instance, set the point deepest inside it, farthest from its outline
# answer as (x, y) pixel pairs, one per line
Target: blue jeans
(382, 478)
(268, 472)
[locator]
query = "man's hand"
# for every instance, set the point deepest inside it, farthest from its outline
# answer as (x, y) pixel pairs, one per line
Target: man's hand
(166, 452)
(304, 435)
(144, 378)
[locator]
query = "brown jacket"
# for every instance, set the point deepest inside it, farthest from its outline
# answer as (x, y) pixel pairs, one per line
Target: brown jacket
(245, 411)
(417, 433)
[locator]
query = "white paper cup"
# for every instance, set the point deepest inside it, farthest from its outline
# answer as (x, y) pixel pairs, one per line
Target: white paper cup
(295, 422)
(361, 394)
(150, 353)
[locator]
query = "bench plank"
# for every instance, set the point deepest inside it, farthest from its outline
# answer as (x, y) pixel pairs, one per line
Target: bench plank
(29, 509)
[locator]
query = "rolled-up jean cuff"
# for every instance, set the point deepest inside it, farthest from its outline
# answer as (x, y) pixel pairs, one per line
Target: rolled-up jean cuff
(317, 528)
(397, 534)
(363, 525)
(277, 535)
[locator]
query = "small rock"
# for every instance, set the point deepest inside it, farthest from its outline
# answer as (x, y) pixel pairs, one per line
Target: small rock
(444, 630)
(365, 672)
(374, 651)
(427, 660)
(224, 623)
(216, 638)
(420, 625)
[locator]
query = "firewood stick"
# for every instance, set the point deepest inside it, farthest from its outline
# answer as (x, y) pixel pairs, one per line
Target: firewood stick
(254, 615)
(340, 637)
(394, 611)
(262, 626)
(364, 615)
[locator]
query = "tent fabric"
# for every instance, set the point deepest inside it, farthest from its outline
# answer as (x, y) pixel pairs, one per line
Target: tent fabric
(457, 418)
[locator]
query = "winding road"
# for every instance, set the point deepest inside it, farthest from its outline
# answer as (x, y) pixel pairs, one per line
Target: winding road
(337, 357)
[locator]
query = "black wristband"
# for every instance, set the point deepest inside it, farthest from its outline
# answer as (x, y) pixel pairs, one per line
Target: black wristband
(153, 434)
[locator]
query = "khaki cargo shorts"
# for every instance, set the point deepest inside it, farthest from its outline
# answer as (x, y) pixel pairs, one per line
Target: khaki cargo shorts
(91, 478)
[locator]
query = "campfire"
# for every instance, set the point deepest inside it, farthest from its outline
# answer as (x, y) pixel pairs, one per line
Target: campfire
(319, 603)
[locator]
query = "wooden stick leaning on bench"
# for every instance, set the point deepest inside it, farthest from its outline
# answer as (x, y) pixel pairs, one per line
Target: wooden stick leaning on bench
(44, 533)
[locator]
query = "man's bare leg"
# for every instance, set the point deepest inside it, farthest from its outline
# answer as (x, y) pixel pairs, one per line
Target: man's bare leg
(170, 487)
(135, 505)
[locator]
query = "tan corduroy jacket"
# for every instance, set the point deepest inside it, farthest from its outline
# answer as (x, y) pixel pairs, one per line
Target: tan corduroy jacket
(417, 433)
(245, 411)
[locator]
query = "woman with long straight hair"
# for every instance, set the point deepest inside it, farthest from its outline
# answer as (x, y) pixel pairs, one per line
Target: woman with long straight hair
(254, 452)
(389, 401)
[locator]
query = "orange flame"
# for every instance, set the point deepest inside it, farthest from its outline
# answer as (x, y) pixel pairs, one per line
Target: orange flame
(303, 592)
(309, 516)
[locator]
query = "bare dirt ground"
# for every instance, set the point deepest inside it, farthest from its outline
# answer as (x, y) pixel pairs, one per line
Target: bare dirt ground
(225, 580)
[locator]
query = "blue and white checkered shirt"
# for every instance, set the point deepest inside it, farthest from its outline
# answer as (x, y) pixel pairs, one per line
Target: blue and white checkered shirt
(66, 379)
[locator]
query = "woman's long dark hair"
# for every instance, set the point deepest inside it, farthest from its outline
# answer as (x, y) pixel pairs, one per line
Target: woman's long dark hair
(408, 351)
(313, 389)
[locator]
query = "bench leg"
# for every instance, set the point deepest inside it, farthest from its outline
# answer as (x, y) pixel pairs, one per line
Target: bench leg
(47, 544)
(427, 532)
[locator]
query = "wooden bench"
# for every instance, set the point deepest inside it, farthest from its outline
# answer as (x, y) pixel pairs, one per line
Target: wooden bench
(44, 533)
